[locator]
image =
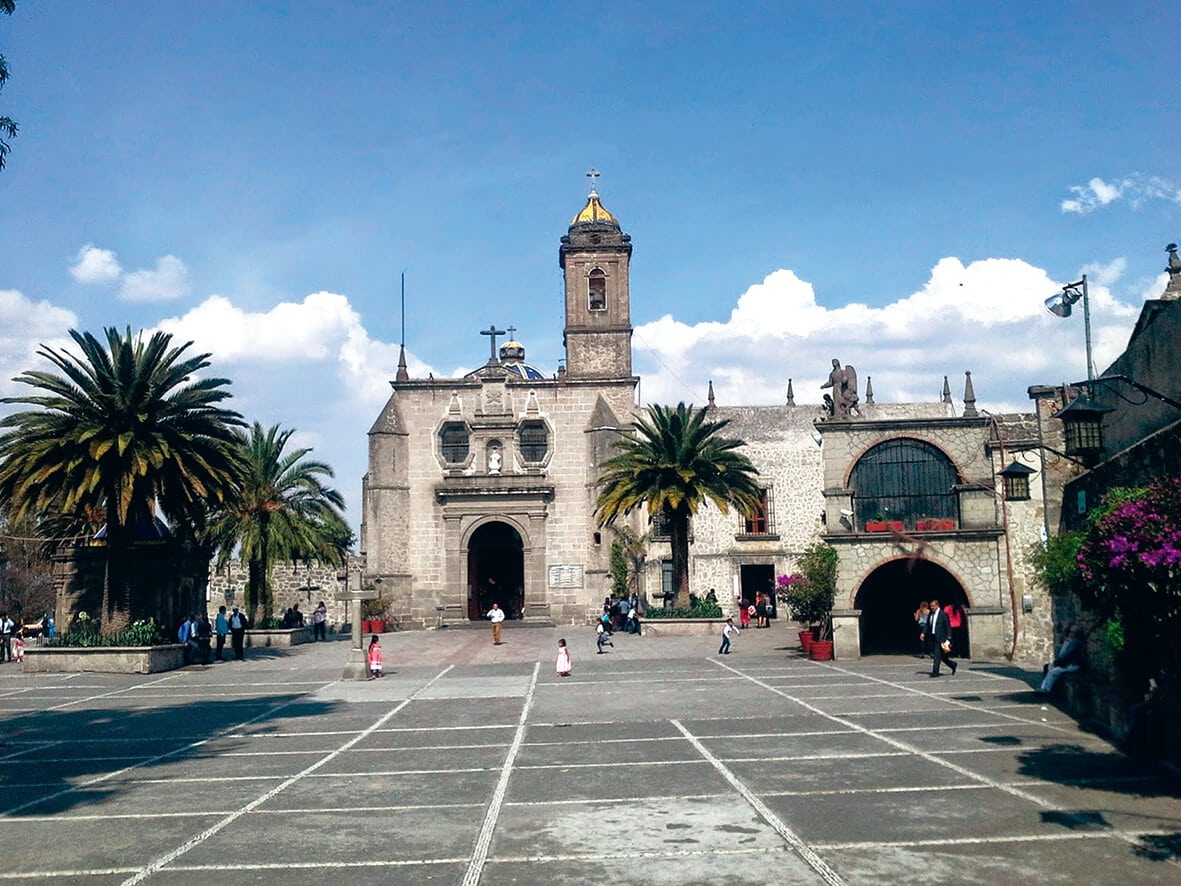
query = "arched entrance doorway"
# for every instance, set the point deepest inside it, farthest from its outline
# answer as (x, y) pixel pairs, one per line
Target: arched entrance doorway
(495, 571)
(889, 597)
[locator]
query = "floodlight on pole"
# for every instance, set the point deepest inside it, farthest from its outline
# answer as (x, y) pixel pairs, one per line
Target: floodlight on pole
(1061, 304)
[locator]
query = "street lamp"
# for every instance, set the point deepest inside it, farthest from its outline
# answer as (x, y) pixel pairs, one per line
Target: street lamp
(1060, 305)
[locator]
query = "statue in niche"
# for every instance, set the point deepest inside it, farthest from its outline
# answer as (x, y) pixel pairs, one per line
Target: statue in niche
(844, 399)
(493, 461)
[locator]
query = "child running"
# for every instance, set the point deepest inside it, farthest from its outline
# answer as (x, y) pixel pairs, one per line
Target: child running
(601, 640)
(375, 670)
(563, 665)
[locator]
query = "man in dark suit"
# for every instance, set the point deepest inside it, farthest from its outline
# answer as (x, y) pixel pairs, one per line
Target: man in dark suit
(939, 629)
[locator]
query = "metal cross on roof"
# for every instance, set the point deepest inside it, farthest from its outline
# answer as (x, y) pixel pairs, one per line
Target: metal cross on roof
(592, 175)
(492, 331)
(512, 332)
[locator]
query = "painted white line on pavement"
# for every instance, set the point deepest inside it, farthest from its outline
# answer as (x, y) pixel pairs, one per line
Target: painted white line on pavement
(802, 849)
(154, 866)
(480, 856)
(1056, 837)
(954, 701)
(113, 692)
(147, 762)
(935, 758)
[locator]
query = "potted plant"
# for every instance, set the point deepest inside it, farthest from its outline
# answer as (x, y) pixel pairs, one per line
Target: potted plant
(935, 524)
(790, 592)
(373, 614)
(881, 522)
(809, 595)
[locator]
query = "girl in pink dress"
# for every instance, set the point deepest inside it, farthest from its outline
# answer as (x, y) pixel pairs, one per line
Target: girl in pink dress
(374, 658)
(563, 664)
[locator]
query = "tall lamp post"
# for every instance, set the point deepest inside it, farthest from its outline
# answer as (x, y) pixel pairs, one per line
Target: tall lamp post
(1061, 305)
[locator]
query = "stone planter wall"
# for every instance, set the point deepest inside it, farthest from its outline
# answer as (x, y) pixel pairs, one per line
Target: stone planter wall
(682, 627)
(281, 638)
(105, 660)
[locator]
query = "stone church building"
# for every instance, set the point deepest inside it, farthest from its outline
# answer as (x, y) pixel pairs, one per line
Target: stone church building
(481, 489)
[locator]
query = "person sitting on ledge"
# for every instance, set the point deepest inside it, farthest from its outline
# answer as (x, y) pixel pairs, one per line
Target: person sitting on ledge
(1069, 660)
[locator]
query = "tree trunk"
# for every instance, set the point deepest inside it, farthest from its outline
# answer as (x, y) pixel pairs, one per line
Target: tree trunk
(115, 614)
(254, 584)
(678, 531)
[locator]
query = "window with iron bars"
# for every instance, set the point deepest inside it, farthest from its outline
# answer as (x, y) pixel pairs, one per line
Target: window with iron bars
(762, 521)
(904, 480)
(454, 442)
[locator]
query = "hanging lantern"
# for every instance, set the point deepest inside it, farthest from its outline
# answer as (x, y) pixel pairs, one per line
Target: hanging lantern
(1016, 480)
(1082, 420)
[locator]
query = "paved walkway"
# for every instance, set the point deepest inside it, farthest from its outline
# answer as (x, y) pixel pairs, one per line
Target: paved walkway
(658, 763)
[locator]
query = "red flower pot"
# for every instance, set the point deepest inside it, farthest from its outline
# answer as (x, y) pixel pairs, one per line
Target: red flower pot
(935, 524)
(821, 650)
(806, 638)
(883, 525)
(376, 626)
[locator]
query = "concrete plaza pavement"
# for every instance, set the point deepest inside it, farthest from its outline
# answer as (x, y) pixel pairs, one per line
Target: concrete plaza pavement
(660, 762)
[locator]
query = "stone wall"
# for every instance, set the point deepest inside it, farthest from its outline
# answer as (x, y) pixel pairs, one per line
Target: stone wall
(305, 585)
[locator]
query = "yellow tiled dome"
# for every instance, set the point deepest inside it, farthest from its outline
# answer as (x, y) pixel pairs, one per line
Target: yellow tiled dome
(593, 212)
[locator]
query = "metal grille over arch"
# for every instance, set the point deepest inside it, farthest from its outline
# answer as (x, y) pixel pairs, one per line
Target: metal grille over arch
(905, 480)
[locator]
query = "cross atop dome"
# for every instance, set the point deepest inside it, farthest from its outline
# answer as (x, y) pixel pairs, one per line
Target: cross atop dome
(594, 211)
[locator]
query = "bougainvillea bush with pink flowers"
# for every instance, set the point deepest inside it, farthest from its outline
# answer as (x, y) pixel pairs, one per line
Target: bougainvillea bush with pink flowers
(1130, 573)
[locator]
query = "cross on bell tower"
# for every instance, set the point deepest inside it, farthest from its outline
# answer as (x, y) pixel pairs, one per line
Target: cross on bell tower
(492, 332)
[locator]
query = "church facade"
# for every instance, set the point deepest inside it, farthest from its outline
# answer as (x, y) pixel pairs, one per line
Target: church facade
(481, 489)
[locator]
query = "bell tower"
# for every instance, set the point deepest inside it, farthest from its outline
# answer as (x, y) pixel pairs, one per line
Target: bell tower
(594, 256)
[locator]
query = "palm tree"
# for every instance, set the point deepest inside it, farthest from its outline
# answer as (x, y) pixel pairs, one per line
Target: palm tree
(124, 429)
(675, 462)
(283, 512)
(8, 126)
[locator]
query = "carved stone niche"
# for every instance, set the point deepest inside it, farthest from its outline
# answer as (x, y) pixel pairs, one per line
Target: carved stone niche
(495, 398)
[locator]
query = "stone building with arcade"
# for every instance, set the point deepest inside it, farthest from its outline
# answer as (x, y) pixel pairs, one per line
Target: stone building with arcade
(481, 489)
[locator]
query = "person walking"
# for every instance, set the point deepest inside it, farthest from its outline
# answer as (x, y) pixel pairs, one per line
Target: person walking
(238, 634)
(320, 622)
(496, 616)
(728, 630)
(221, 627)
(563, 664)
(939, 631)
(375, 662)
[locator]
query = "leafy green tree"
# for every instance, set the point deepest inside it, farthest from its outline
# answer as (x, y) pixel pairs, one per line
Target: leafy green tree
(282, 512)
(618, 571)
(124, 428)
(674, 462)
(8, 126)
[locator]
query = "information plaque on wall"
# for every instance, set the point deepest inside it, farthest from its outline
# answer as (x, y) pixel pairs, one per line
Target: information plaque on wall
(565, 576)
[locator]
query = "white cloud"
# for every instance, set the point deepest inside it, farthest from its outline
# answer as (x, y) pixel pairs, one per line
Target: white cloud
(24, 326)
(987, 317)
(95, 265)
(1136, 189)
(170, 280)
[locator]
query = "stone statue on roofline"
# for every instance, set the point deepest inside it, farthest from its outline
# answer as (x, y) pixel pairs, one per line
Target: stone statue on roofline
(844, 399)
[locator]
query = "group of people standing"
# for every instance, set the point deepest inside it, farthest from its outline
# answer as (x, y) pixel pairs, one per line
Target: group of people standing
(761, 610)
(197, 634)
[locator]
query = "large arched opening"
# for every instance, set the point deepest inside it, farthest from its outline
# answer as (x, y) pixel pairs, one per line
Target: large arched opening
(495, 571)
(889, 597)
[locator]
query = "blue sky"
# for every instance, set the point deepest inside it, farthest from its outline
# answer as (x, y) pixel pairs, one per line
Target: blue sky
(899, 185)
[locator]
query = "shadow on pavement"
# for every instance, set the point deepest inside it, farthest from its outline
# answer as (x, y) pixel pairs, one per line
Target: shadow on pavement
(165, 734)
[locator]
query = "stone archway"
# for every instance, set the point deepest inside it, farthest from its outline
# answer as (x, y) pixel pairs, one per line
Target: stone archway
(889, 597)
(495, 570)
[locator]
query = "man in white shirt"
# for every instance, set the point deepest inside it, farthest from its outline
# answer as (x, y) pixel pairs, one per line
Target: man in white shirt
(496, 616)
